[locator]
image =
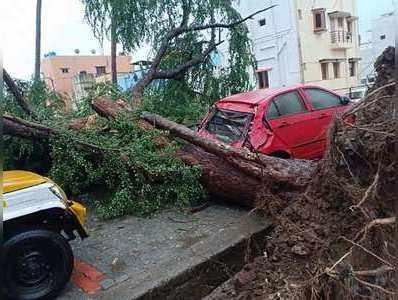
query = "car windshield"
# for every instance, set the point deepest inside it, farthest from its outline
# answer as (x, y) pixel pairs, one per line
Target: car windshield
(229, 126)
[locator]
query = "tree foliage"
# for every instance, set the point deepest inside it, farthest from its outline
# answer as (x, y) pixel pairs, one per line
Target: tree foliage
(136, 174)
(183, 36)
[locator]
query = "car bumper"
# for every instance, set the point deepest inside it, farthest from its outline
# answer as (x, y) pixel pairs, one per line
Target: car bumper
(80, 214)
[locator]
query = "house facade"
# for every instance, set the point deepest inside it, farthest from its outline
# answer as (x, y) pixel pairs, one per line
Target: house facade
(65, 74)
(305, 41)
(382, 36)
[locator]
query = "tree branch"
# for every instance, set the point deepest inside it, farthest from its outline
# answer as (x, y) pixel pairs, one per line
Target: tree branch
(15, 91)
(154, 73)
(186, 10)
(169, 74)
(230, 25)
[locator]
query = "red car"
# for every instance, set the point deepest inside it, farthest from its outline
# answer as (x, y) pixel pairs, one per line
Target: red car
(288, 122)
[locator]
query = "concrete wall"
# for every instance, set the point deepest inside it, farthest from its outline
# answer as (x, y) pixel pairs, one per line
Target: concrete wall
(275, 44)
(62, 82)
(382, 36)
(318, 46)
(385, 25)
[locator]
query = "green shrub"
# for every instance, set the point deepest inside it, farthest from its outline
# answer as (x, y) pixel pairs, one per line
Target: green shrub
(141, 177)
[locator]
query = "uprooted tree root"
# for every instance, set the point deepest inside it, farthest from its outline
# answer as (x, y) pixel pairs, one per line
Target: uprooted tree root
(336, 241)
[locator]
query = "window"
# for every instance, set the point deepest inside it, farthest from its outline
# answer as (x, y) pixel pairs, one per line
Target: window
(262, 22)
(321, 99)
(340, 23)
(353, 68)
(229, 126)
(83, 73)
(65, 70)
(285, 104)
(349, 26)
(263, 80)
(319, 20)
(336, 69)
(300, 14)
(383, 37)
(100, 70)
(272, 111)
(325, 71)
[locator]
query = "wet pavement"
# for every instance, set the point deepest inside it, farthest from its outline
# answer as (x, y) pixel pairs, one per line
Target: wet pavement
(129, 257)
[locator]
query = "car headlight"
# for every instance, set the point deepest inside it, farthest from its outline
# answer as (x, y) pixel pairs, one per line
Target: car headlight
(59, 193)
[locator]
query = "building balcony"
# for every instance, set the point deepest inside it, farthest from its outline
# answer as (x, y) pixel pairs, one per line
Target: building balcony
(341, 39)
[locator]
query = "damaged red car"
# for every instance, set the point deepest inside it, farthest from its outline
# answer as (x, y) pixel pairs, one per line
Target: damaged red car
(288, 122)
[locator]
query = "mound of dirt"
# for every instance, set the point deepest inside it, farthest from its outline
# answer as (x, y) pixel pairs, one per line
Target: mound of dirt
(336, 239)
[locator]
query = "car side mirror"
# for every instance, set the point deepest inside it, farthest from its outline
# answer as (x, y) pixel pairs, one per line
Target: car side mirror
(345, 100)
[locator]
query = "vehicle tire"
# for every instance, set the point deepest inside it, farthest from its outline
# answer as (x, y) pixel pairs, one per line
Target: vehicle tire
(35, 264)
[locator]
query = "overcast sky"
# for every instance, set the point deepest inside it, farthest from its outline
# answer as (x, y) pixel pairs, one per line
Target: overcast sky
(64, 29)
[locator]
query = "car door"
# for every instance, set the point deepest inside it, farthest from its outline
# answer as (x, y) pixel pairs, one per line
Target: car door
(324, 106)
(287, 115)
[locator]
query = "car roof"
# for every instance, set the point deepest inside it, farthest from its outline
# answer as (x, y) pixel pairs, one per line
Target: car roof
(254, 98)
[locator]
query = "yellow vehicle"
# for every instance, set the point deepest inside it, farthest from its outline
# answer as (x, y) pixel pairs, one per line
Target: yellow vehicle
(38, 223)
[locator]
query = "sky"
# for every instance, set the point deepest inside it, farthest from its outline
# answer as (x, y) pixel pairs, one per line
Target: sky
(64, 29)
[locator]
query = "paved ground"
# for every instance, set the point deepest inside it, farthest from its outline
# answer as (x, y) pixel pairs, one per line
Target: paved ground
(126, 258)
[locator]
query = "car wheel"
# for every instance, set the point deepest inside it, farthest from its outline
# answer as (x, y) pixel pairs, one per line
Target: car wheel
(35, 264)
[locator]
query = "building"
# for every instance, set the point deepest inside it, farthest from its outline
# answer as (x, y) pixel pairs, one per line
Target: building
(307, 41)
(382, 36)
(71, 74)
(126, 81)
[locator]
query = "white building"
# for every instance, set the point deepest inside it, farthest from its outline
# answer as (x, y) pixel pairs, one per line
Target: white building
(382, 36)
(307, 41)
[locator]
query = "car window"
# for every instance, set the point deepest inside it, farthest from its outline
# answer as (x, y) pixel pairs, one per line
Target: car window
(229, 126)
(285, 104)
(272, 111)
(322, 99)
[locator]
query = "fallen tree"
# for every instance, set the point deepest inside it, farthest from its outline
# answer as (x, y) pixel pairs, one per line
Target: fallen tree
(337, 240)
(231, 174)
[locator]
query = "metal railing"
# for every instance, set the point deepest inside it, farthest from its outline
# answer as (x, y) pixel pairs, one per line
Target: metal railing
(341, 37)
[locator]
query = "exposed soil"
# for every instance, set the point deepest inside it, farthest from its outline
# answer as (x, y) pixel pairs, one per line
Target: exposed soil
(325, 244)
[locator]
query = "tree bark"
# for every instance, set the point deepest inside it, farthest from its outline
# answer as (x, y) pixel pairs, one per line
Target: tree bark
(113, 51)
(262, 167)
(109, 109)
(14, 126)
(38, 41)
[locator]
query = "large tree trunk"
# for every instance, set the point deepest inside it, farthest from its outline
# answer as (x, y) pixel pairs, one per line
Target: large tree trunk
(221, 180)
(113, 51)
(293, 172)
(14, 126)
(38, 41)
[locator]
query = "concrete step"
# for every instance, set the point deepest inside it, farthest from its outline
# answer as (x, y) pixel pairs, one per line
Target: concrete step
(170, 256)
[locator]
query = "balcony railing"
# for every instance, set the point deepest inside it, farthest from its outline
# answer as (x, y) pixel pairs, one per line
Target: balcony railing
(341, 38)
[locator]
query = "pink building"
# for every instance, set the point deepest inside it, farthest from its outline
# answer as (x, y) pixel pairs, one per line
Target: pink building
(59, 71)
